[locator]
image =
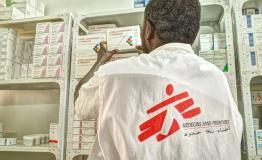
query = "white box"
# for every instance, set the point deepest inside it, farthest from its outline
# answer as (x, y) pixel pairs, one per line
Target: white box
(57, 27)
(39, 13)
(256, 123)
(88, 139)
(259, 141)
(207, 55)
(220, 59)
(54, 71)
(2, 3)
(10, 13)
(30, 71)
(10, 141)
(220, 41)
(54, 60)
(39, 72)
(17, 70)
(40, 61)
(83, 146)
(124, 38)
(56, 49)
(43, 27)
(41, 50)
(29, 2)
(87, 44)
(116, 57)
(28, 10)
(57, 38)
(41, 39)
(24, 70)
(252, 23)
(83, 65)
(97, 29)
(85, 124)
(250, 11)
(2, 141)
(206, 42)
(53, 133)
(40, 6)
(84, 131)
(251, 60)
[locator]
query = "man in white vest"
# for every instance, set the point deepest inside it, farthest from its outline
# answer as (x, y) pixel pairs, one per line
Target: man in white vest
(166, 104)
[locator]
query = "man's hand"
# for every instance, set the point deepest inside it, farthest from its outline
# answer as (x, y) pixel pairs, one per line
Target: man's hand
(103, 56)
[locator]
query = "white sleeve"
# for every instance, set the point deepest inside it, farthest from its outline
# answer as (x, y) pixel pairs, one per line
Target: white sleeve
(87, 104)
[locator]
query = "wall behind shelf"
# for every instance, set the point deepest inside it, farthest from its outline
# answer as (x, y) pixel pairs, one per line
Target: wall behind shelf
(85, 6)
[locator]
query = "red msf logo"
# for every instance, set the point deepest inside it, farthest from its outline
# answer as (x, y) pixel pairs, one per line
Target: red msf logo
(155, 124)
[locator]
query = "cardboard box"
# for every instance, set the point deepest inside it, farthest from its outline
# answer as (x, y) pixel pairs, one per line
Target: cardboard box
(258, 134)
(83, 65)
(41, 49)
(57, 38)
(85, 124)
(40, 61)
(87, 44)
(39, 72)
(58, 27)
(84, 131)
(28, 10)
(124, 38)
(206, 42)
(41, 39)
(43, 27)
(56, 49)
(220, 41)
(10, 13)
(54, 71)
(100, 29)
(54, 60)
(53, 133)
(87, 139)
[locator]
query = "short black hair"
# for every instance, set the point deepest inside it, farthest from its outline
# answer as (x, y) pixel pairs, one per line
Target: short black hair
(174, 20)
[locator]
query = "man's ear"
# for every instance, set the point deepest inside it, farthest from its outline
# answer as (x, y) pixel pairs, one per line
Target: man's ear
(149, 30)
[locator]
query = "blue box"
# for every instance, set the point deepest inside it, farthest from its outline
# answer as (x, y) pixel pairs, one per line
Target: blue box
(140, 3)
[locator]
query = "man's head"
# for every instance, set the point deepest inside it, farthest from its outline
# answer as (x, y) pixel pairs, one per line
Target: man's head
(168, 21)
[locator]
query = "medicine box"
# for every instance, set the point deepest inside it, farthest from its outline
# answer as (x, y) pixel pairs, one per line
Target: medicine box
(256, 123)
(40, 6)
(39, 72)
(57, 38)
(83, 64)
(220, 60)
(54, 60)
(251, 60)
(24, 70)
(252, 23)
(207, 55)
(83, 146)
(54, 71)
(40, 61)
(57, 27)
(84, 131)
(41, 50)
(43, 27)
(29, 2)
(30, 71)
(56, 49)
(86, 45)
(100, 29)
(124, 38)
(259, 141)
(53, 133)
(80, 138)
(256, 97)
(220, 41)
(206, 42)
(41, 39)
(140, 3)
(250, 11)
(10, 13)
(85, 124)
(28, 10)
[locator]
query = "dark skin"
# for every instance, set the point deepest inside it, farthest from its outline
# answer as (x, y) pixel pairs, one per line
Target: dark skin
(150, 41)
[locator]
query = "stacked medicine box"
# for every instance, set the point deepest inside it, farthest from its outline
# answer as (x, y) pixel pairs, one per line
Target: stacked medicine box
(253, 39)
(48, 50)
(7, 48)
(213, 49)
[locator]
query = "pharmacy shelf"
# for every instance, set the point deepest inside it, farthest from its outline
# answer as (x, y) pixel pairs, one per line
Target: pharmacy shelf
(30, 84)
(247, 76)
(215, 13)
(22, 148)
(28, 27)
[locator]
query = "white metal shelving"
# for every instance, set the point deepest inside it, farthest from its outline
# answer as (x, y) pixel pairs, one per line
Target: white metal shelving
(249, 77)
(28, 27)
(216, 14)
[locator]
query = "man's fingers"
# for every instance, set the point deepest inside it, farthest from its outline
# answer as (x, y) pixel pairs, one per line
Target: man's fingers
(103, 46)
(139, 49)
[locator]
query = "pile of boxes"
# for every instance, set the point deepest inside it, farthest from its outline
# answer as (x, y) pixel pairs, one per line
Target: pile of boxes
(84, 134)
(19, 9)
(48, 50)
(253, 39)
(8, 139)
(213, 49)
(35, 139)
(53, 134)
(123, 39)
